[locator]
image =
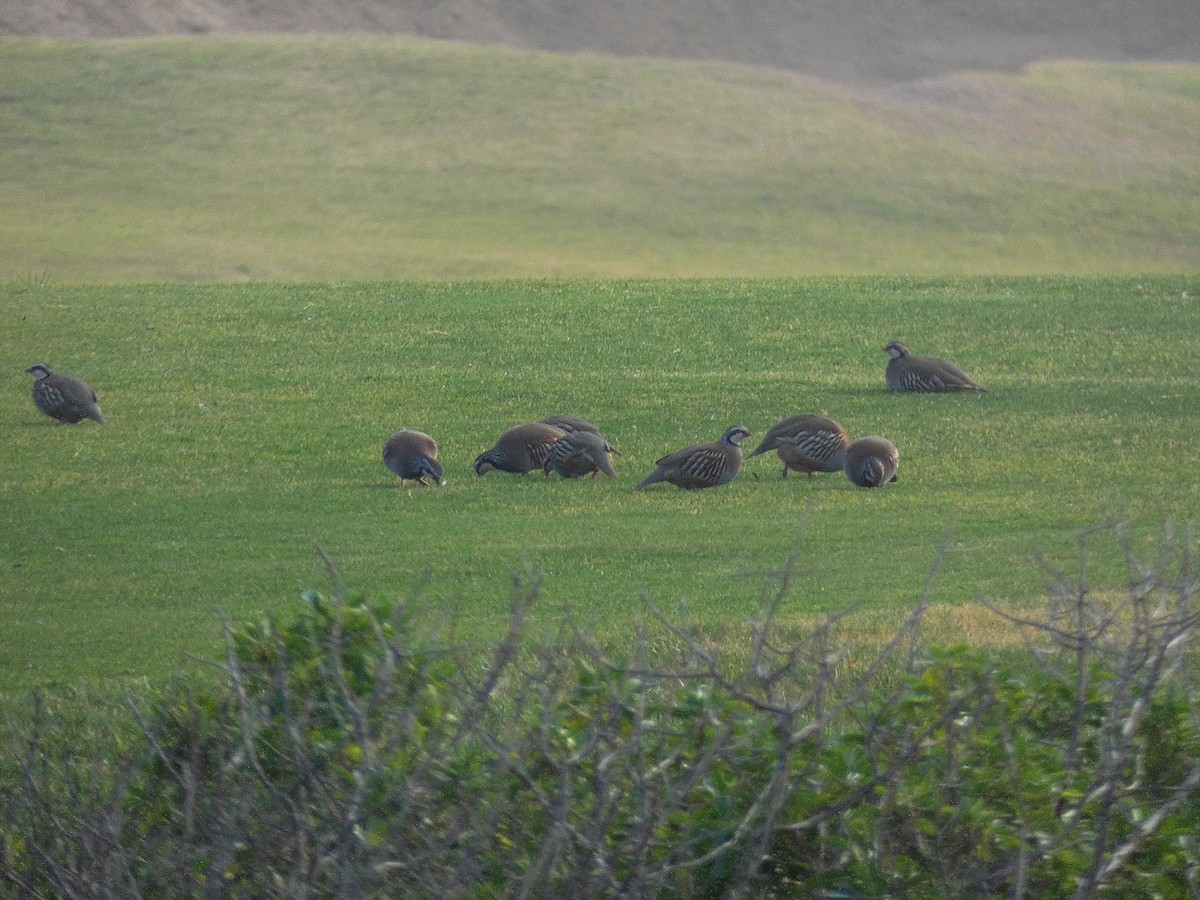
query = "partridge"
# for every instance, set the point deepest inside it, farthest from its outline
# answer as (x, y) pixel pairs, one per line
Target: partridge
(924, 374)
(806, 442)
(520, 449)
(579, 454)
(701, 465)
(63, 397)
(412, 455)
(871, 462)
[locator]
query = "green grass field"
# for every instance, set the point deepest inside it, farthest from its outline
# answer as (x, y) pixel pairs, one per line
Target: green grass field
(267, 254)
(306, 159)
(246, 422)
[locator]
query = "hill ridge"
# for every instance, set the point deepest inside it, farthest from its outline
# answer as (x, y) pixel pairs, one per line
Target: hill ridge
(852, 41)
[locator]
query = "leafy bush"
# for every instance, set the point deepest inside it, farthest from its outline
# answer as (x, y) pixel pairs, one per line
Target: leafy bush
(338, 758)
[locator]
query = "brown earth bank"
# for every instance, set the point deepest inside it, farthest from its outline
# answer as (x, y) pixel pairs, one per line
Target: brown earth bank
(855, 41)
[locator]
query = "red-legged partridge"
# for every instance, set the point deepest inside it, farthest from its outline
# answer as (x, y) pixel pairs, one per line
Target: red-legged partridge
(63, 397)
(806, 442)
(521, 449)
(412, 455)
(578, 454)
(924, 374)
(701, 465)
(871, 462)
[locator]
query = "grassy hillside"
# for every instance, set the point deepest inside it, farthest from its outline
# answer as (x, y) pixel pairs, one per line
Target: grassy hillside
(323, 159)
(246, 421)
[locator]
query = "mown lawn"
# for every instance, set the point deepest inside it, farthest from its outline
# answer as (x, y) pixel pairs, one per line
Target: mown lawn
(246, 421)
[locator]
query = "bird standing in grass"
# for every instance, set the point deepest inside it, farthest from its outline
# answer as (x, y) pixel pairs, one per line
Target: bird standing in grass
(412, 455)
(519, 450)
(579, 454)
(907, 373)
(701, 465)
(806, 442)
(871, 462)
(63, 397)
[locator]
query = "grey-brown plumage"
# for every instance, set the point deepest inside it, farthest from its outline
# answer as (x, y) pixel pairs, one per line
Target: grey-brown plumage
(578, 454)
(570, 424)
(871, 462)
(412, 455)
(806, 442)
(701, 465)
(520, 449)
(63, 397)
(908, 373)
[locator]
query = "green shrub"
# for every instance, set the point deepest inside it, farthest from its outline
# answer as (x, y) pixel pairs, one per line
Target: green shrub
(337, 757)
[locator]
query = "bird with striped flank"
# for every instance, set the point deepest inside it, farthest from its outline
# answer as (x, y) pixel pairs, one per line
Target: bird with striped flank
(871, 462)
(911, 374)
(64, 397)
(701, 465)
(578, 454)
(519, 450)
(412, 455)
(806, 442)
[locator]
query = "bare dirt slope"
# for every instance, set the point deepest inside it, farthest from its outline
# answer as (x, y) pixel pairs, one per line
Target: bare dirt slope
(857, 41)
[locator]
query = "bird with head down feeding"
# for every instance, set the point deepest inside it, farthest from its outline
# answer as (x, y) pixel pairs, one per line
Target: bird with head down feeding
(413, 456)
(519, 450)
(871, 462)
(805, 442)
